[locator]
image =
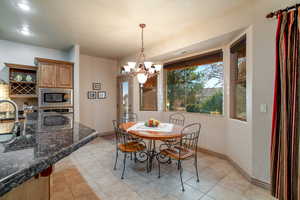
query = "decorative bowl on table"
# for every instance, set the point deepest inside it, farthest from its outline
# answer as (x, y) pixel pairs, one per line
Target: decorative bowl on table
(152, 123)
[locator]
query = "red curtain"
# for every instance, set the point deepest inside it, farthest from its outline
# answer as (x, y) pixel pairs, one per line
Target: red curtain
(286, 122)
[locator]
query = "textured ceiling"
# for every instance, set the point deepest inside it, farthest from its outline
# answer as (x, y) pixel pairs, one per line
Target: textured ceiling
(107, 28)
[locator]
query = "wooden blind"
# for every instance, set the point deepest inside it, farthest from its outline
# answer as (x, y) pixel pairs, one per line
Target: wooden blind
(239, 46)
(203, 59)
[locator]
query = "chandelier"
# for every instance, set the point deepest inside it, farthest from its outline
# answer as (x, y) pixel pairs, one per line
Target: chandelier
(141, 68)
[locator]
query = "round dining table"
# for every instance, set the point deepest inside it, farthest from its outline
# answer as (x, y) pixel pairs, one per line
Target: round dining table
(152, 136)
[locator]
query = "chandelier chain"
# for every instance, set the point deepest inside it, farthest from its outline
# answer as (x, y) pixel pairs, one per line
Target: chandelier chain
(142, 39)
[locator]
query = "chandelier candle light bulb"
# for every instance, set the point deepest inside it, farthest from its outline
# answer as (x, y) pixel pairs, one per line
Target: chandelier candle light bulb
(131, 65)
(142, 78)
(158, 67)
(148, 65)
(142, 69)
(127, 68)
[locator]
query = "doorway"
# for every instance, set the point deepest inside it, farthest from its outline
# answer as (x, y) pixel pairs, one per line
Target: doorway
(125, 96)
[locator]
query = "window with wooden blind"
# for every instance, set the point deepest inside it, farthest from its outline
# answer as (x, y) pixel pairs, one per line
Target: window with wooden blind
(148, 95)
(238, 66)
(195, 84)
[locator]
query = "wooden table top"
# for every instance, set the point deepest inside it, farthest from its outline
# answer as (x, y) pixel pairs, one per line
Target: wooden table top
(153, 135)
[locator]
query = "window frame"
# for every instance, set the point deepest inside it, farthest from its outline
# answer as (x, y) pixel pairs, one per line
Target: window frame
(234, 80)
(156, 96)
(165, 83)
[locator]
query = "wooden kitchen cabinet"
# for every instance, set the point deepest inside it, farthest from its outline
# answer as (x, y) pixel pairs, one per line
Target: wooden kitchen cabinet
(64, 76)
(33, 189)
(47, 75)
(54, 73)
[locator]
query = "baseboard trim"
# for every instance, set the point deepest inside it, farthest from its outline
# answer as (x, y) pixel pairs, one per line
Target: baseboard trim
(247, 176)
(261, 184)
(106, 133)
(212, 153)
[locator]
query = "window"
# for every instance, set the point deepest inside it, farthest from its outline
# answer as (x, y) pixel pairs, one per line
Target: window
(238, 79)
(148, 95)
(195, 84)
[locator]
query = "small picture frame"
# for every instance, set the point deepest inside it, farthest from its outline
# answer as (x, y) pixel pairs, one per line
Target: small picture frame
(101, 95)
(96, 86)
(92, 95)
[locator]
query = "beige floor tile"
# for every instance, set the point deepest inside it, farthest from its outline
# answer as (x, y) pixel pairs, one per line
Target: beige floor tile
(256, 193)
(206, 198)
(220, 193)
(212, 174)
(189, 193)
(235, 182)
(204, 185)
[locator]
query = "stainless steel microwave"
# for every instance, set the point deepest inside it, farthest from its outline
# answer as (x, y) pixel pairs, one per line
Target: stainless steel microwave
(55, 97)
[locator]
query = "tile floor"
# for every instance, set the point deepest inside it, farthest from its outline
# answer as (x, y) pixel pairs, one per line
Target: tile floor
(90, 171)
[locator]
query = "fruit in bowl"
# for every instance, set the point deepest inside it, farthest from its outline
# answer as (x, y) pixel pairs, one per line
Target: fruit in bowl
(152, 123)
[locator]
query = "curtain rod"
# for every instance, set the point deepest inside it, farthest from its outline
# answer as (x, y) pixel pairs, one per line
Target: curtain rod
(275, 13)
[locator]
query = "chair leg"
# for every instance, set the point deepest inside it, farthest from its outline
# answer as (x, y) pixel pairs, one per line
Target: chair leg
(124, 164)
(178, 167)
(135, 157)
(196, 167)
(117, 154)
(181, 170)
(158, 166)
(130, 156)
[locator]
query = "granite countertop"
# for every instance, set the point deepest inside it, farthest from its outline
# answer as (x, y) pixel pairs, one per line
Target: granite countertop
(35, 150)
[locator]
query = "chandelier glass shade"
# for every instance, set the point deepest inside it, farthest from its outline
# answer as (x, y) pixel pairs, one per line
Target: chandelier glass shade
(141, 68)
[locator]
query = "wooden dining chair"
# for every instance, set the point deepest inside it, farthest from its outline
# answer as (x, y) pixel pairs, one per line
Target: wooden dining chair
(177, 118)
(126, 144)
(185, 149)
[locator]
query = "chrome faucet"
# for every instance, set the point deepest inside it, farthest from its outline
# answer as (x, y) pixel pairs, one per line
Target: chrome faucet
(15, 107)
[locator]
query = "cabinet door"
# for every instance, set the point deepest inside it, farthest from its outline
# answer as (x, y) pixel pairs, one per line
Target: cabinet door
(47, 75)
(64, 76)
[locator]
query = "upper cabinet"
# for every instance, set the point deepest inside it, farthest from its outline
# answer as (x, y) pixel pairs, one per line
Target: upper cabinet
(47, 75)
(54, 73)
(64, 76)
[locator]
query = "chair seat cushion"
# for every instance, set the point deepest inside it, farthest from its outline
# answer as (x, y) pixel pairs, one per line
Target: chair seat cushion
(174, 152)
(131, 147)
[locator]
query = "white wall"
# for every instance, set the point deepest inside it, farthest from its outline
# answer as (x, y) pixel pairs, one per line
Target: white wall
(98, 114)
(239, 133)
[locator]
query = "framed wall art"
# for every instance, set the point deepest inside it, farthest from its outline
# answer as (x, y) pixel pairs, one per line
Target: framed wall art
(96, 86)
(101, 95)
(92, 95)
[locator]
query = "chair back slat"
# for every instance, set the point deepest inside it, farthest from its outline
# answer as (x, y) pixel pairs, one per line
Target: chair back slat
(122, 137)
(177, 118)
(190, 136)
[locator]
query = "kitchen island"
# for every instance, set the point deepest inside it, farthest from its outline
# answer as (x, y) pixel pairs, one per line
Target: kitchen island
(33, 151)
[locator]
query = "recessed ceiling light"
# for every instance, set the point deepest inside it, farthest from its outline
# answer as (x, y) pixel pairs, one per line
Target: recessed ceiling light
(25, 30)
(23, 6)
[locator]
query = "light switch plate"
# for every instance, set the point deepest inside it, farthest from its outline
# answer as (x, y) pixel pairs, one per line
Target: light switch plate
(263, 108)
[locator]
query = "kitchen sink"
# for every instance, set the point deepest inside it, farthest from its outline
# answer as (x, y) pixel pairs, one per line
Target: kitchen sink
(9, 135)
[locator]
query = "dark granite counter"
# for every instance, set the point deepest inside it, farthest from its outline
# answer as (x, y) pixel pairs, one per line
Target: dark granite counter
(34, 150)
